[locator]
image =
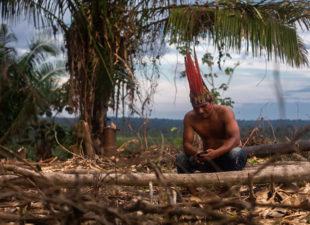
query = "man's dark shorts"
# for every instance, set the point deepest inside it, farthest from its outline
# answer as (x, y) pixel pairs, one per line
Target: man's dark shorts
(231, 161)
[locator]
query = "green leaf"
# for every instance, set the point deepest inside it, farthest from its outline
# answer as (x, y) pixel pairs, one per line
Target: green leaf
(173, 129)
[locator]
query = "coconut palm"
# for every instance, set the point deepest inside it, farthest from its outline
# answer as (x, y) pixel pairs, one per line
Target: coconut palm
(105, 40)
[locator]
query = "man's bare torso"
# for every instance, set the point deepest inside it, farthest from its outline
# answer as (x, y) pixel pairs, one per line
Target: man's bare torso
(213, 129)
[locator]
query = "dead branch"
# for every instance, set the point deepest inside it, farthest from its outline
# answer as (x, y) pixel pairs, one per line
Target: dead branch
(10, 217)
(175, 210)
(272, 149)
(277, 173)
(6, 152)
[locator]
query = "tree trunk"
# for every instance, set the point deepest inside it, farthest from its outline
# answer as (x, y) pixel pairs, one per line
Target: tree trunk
(145, 143)
(274, 173)
(90, 85)
(44, 151)
(87, 139)
(282, 148)
(99, 122)
(109, 146)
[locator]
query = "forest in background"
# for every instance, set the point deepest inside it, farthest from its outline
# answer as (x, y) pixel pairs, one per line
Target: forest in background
(171, 129)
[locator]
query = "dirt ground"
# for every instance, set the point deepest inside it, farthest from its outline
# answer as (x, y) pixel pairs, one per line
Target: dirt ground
(111, 204)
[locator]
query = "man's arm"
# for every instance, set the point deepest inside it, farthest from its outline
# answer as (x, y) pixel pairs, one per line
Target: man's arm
(188, 137)
(233, 136)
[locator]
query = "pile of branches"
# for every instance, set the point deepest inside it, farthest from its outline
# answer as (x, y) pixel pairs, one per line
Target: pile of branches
(29, 196)
(36, 202)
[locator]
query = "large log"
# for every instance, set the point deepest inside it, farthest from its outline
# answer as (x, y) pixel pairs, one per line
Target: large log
(282, 148)
(276, 173)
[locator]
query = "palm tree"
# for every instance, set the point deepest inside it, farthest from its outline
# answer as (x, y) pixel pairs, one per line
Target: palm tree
(31, 87)
(106, 40)
(265, 27)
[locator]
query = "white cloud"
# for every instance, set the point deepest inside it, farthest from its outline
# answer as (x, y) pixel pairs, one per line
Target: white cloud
(62, 80)
(21, 51)
(305, 37)
(252, 81)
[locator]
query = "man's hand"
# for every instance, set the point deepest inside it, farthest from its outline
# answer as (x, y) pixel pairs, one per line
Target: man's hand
(198, 158)
(208, 155)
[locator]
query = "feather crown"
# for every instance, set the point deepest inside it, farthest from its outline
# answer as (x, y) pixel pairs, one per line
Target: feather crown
(199, 93)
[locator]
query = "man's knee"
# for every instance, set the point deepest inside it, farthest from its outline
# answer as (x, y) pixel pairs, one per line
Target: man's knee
(237, 152)
(181, 159)
(238, 157)
(182, 163)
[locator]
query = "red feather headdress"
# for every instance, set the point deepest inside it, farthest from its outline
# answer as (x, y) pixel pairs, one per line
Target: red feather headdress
(199, 92)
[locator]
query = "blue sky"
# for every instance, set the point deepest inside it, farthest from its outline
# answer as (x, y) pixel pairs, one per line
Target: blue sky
(252, 86)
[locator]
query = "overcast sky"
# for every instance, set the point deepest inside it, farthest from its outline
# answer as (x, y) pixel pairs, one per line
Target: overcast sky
(252, 87)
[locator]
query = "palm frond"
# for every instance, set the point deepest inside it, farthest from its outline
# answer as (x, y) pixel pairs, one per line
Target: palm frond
(39, 50)
(268, 26)
(5, 36)
(42, 12)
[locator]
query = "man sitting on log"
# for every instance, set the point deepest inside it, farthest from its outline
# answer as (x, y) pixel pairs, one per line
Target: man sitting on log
(217, 127)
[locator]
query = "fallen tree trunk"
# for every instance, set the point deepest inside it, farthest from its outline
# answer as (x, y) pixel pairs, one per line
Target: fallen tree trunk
(275, 173)
(10, 217)
(282, 148)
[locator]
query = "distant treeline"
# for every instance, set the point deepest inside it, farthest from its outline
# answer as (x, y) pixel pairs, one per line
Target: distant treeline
(173, 128)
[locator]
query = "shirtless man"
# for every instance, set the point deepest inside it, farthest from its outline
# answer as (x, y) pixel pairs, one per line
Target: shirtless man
(219, 131)
(217, 127)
